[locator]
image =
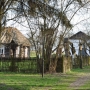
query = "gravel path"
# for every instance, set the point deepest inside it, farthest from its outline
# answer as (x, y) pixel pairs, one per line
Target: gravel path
(80, 81)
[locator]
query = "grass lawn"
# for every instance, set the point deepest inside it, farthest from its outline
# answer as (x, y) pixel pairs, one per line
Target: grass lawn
(33, 82)
(16, 81)
(32, 54)
(86, 86)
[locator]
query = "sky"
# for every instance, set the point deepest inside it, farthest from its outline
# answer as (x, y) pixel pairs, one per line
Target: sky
(20, 27)
(76, 19)
(82, 26)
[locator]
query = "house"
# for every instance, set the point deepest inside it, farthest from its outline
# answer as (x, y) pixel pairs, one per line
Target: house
(14, 43)
(80, 38)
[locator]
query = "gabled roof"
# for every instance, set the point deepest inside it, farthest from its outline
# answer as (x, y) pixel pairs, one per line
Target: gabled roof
(80, 35)
(10, 33)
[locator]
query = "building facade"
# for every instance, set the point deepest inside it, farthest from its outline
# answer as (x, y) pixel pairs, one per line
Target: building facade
(14, 44)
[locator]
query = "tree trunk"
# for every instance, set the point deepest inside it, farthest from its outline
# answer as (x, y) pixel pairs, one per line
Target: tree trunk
(53, 64)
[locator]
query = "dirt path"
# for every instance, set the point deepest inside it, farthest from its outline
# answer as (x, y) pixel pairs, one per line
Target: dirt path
(80, 81)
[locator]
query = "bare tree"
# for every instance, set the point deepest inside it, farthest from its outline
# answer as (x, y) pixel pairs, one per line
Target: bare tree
(52, 19)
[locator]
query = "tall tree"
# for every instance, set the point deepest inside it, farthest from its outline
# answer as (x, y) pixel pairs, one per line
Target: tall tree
(50, 18)
(53, 18)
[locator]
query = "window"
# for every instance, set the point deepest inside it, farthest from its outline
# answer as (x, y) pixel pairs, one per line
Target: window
(1, 51)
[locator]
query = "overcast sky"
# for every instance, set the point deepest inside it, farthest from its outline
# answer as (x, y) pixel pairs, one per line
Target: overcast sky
(82, 26)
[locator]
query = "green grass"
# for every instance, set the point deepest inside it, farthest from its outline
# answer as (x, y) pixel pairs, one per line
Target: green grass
(86, 86)
(80, 72)
(32, 54)
(33, 82)
(17, 81)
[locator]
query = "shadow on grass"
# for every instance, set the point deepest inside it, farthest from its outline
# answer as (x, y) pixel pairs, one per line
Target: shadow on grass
(14, 87)
(22, 87)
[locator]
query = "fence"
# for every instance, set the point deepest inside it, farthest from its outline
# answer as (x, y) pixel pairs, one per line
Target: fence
(31, 65)
(64, 64)
(85, 61)
(28, 65)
